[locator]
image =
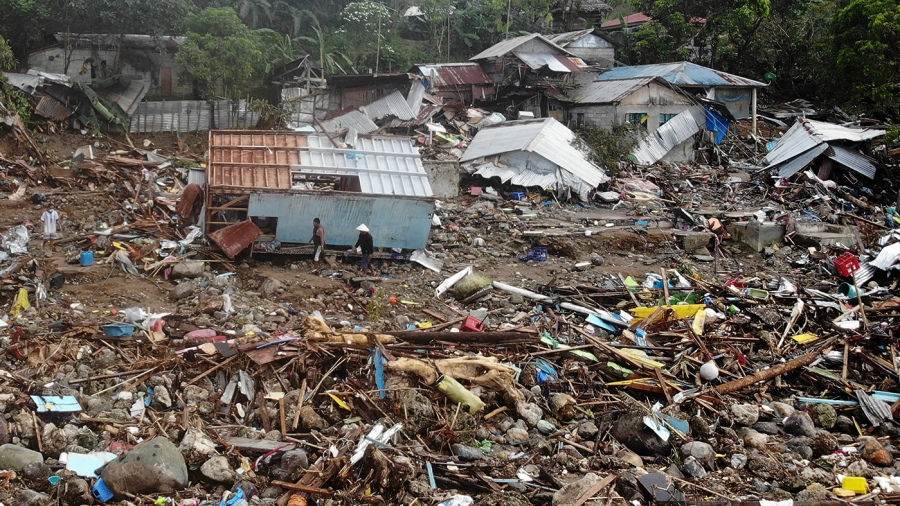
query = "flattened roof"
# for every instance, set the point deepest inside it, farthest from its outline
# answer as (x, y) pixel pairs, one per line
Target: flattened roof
(555, 62)
(455, 74)
(807, 134)
(631, 19)
(504, 47)
(681, 73)
(393, 105)
(545, 137)
(353, 119)
(564, 39)
(609, 92)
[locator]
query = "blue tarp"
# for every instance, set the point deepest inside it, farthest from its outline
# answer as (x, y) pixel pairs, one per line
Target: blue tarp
(717, 123)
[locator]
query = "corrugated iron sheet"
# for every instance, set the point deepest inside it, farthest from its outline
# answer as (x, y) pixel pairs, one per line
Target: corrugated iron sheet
(426, 113)
(681, 73)
(657, 144)
(253, 159)
(545, 137)
(356, 120)
(806, 134)
(794, 165)
(392, 105)
(556, 63)
(384, 165)
(50, 108)
(631, 19)
(507, 46)
(526, 178)
(395, 222)
(25, 82)
(455, 74)
(609, 92)
(236, 238)
(853, 160)
(191, 116)
(126, 96)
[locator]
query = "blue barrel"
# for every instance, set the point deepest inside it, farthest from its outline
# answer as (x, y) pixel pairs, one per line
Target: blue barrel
(87, 258)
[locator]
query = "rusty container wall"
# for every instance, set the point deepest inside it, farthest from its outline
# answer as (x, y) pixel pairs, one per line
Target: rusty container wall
(395, 222)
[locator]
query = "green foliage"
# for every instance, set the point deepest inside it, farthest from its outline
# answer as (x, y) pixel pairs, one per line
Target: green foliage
(608, 147)
(18, 20)
(270, 116)
(484, 445)
(867, 45)
(7, 59)
(221, 55)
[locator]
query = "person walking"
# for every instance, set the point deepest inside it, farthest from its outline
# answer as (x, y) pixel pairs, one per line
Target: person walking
(366, 245)
(318, 240)
(50, 219)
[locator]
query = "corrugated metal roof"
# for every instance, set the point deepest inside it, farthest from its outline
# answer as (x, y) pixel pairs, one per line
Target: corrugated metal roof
(27, 83)
(806, 134)
(853, 160)
(50, 108)
(455, 74)
(353, 119)
(253, 159)
(235, 238)
(504, 47)
(426, 113)
(631, 19)
(545, 137)
(657, 144)
(394, 105)
(526, 178)
(681, 73)
(609, 92)
(415, 96)
(794, 165)
(539, 60)
(563, 39)
(127, 96)
(384, 165)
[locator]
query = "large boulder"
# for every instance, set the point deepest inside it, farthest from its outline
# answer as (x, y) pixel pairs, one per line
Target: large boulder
(152, 467)
(16, 457)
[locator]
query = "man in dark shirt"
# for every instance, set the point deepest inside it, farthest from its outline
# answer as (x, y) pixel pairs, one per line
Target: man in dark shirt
(366, 245)
(318, 240)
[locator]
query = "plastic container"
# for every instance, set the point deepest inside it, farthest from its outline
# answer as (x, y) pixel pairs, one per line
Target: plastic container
(538, 254)
(87, 258)
(472, 324)
(517, 196)
(118, 329)
(101, 491)
(846, 264)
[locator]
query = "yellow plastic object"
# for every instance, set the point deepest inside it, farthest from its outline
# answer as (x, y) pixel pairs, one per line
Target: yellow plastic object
(681, 310)
(452, 389)
(425, 325)
(805, 338)
(20, 304)
(857, 484)
(340, 402)
(699, 321)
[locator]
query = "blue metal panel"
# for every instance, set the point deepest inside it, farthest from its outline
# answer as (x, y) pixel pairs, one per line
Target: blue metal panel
(395, 222)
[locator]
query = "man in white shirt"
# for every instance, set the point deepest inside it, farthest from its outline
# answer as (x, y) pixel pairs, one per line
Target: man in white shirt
(50, 219)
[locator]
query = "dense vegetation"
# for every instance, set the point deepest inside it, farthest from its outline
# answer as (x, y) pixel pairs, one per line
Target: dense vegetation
(841, 52)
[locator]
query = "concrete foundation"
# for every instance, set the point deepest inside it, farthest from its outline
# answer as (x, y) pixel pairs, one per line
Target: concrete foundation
(819, 234)
(692, 241)
(757, 235)
(443, 177)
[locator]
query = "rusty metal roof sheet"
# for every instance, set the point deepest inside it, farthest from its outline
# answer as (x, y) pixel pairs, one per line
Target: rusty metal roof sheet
(235, 238)
(455, 74)
(253, 159)
(50, 108)
(353, 119)
(393, 105)
(681, 73)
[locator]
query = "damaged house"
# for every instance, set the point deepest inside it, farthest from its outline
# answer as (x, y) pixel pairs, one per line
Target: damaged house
(523, 67)
(463, 82)
(87, 58)
(591, 45)
(830, 150)
(535, 153)
(265, 187)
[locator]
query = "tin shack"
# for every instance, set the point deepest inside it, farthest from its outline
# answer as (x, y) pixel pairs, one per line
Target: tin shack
(268, 186)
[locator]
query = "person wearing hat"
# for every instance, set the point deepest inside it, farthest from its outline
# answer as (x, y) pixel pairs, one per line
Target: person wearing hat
(366, 245)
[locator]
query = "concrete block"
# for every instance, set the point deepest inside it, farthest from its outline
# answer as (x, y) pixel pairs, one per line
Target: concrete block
(819, 234)
(757, 235)
(692, 241)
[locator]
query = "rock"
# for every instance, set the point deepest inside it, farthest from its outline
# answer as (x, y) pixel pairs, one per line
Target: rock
(823, 443)
(813, 495)
(845, 425)
(875, 453)
(753, 438)
(290, 465)
(745, 414)
(563, 406)
(470, 285)
(188, 269)
(692, 467)
(270, 287)
(587, 430)
(804, 451)
(16, 457)
(700, 427)
(77, 491)
(860, 468)
(161, 398)
(517, 435)
(765, 467)
(466, 452)
(182, 291)
(546, 428)
(799, 423)
(770, 428)
(310, 419)
(781, 409)
(530, 412)
(631, 458)
(738, 461)
(504, 498)
(703, 452)
(823, 415)
(709, 370)
(401, 320)
(597, 259)
(35, 474)
(195, 446)
(630, 430)
(152, 467)
(572, 491)
(217, 468)
(4, 431)
(32, 498)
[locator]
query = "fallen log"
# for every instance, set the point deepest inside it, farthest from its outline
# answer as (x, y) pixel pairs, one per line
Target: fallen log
(767, 374)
